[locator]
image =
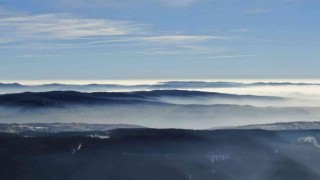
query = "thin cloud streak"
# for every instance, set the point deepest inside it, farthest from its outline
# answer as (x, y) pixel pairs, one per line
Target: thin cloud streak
(178, 3)
(257, 11)
(123, 3)
(231, 56)
(60, 32)
(147, 40)
(53, 26)
(178, 39)
(48, 27)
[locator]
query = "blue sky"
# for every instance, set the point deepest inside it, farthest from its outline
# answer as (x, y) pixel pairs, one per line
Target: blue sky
(159, 39)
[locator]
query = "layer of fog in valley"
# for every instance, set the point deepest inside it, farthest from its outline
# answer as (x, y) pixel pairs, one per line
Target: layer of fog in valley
(297, 92)
(174, 104)
(186, 117)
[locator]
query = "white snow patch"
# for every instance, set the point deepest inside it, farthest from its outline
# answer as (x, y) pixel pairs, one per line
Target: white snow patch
(99, 136)
(309, 139)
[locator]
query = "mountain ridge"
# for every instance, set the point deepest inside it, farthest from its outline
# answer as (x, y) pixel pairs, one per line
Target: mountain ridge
(16, 87)
(297, 125)
(60, 98)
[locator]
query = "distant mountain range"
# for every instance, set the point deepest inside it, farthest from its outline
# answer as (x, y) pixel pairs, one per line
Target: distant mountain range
(82, 127)
(284, 126)
(16, 88)
(155, 109)
(61, 98)
(61, 127)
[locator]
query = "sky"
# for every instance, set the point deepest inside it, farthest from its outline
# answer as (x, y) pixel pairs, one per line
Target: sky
(159, 39)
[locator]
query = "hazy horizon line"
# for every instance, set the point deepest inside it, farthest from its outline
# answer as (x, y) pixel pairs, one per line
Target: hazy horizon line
(154, 81)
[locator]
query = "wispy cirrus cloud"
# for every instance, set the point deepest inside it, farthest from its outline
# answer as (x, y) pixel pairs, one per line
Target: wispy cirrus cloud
(231, 56)
(96, 31)
(57, 32)
(257, 11)
(295, 1)
(178, 3)
(113, 41)
(61, 26)
(182, 50)
(240, 30)
(157, 51)
(184, 38)
(123, 3)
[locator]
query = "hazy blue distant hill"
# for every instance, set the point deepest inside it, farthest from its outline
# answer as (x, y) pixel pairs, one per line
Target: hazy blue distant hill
(11, 85)
(61, 127)
(59, 98)
(284, 126)
(18, 88)
(158, 109)
(197, 84)
(184, 93)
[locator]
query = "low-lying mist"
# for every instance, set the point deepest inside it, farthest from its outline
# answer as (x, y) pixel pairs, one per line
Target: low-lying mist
(297, 94)
(285, 102)
(214, 104)
(160, 116)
